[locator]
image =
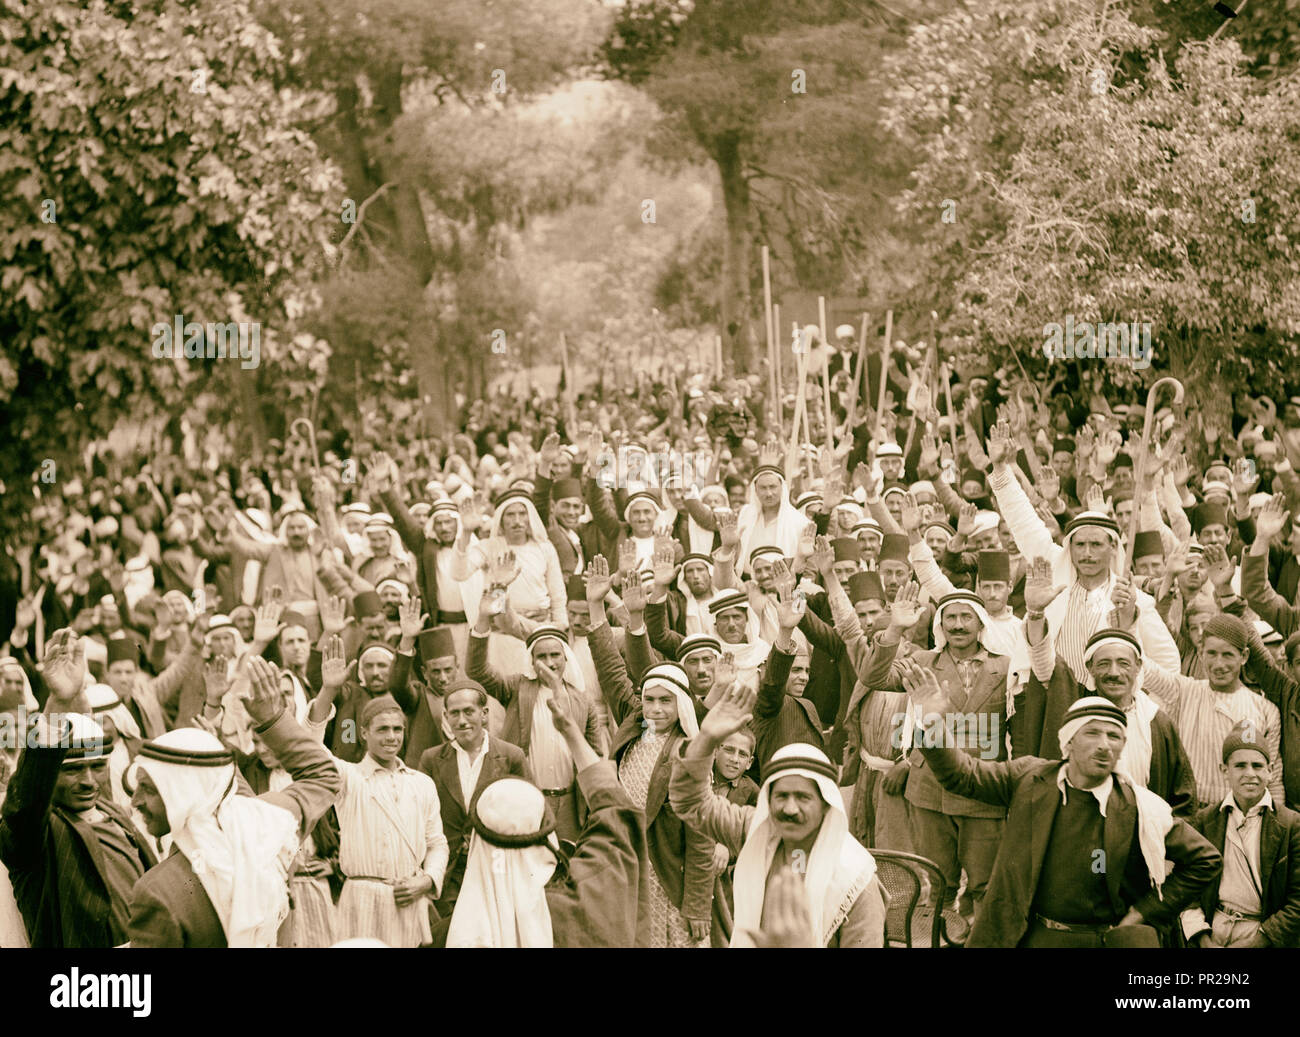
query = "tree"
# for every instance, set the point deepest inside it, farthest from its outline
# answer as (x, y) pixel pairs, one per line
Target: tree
(150, 170)
(1089, 179)
(381, 60)
(782, 100)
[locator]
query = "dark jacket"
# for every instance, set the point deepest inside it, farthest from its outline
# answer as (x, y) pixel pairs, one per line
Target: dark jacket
(681, 857)
(1027, 789)
(1279, 867)
(503, 761)
(781, 719)
(55, 860)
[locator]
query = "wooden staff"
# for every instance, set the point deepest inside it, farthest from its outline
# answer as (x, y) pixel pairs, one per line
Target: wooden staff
(1142, 461)
(800, 410)
(311, 440)
(775, 409)
(946, 376)
(717, 355)
(779, 355)
(856, 384)
(826, 373)
(885, 357)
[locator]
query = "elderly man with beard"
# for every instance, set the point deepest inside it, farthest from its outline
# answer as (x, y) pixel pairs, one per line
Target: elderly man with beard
(453, 602)
(72, 853)
(226, 882)
(1083, 859)
(799, 822)
(1153, 753)
(957, 833)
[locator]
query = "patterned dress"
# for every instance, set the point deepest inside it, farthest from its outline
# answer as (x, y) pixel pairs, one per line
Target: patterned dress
(667, 926)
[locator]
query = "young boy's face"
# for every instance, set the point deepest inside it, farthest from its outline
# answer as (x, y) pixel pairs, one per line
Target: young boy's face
(733, 756)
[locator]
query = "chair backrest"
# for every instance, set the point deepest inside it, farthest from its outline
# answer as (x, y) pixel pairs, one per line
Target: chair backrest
(905, 878)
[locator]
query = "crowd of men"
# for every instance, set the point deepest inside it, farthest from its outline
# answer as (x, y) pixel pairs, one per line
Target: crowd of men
(634, 672)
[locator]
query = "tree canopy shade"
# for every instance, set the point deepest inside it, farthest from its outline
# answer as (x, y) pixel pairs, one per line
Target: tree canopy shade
(1086, 177)
(150, 168)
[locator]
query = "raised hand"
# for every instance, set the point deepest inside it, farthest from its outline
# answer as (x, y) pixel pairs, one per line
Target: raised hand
(626, 557)
(265, 700)
(1049, 484)
(1039, 589)
(923, 687)
(470, 515)
(929, 451)
(1108, 445)
(910, 517)
(26, 614)
(266, 624)
(1220, 566)
(786, 920)
(732, 711)
(634, 595)
(380, 473)
(334, 667)
(770, 452)
(333, 615)
(216, 679)
(728, 531)
(1085, 443)
(1272, 517)
(1180, 470)
(1095, 499)
(599, 581)
(1002, 448)
(966, 520)
(547, 677)
(663, 567)
(789, 610)
(823, 555)
(64, 668)
(550, 452)
(410, 617)
(322, 494)
(503, 570)
(595, 448)
(724, 670)
(826, 461)
(906, 610)
(1124, 596)
(975, 452)
(560, 716)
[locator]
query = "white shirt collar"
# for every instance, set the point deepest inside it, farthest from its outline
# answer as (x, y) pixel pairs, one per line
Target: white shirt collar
(462, 751)
(1230, 805)
(1101, 792)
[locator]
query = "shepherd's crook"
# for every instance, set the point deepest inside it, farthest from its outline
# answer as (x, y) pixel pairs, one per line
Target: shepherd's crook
(1142, 460)
(311, 439)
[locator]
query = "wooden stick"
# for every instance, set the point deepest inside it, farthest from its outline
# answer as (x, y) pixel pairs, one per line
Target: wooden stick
(826, 374)
(856, 384)
(800, 410)
(946, 375)
(774, 409)
(1140, 474)
(717, 355)
(885, 357)
(780, 357)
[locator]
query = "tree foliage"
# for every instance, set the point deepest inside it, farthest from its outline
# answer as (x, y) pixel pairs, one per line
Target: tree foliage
(149, 169)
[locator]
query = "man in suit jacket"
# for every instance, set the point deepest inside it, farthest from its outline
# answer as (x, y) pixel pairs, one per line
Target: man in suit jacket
(1083, 846)
(175, 905)
(462, 768)
(1255, 902)
(560, 506)
(959, 833)
(782, 715)
(149, 699)
(72, 853)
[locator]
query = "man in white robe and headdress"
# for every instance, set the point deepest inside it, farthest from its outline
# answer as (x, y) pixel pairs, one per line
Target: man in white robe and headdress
(798, 823)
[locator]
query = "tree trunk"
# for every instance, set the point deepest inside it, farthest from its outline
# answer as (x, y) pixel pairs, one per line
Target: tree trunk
(734, 304)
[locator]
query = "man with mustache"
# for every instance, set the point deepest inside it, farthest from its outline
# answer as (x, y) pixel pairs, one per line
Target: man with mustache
(1256, 901)
(799, 822)
(1153, 755)
(1083, 858)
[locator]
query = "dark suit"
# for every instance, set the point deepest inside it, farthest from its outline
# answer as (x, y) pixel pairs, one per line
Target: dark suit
(1026, 788)
(681, 857)
(1279, 869)
(956, 832)
(588, 535)
(503, 761)
(170, 906)
(55, 860)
